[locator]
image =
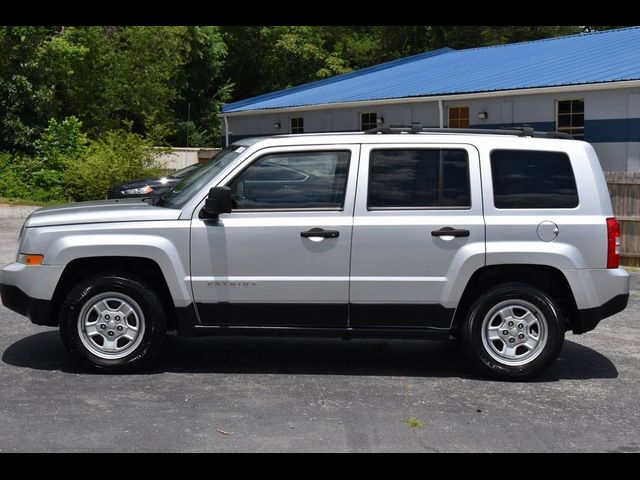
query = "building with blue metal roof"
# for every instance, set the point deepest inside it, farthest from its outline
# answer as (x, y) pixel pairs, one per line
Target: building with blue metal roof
(587, 85)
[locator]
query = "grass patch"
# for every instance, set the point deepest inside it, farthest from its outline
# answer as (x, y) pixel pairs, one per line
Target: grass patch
(413, 422)
(631, 269)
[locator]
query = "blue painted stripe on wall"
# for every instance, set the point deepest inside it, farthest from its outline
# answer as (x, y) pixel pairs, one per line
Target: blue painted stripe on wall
(537, 126)
(612, 130)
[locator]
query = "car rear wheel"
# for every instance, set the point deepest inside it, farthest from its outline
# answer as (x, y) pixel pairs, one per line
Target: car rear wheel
(112, 323)
(513, 331)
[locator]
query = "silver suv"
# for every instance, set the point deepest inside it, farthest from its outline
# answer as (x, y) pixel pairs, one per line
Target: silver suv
(501, 239)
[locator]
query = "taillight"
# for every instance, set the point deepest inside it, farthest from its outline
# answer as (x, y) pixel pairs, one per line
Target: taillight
(613, 243)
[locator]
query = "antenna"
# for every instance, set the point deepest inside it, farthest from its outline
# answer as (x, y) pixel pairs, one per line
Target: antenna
(188, 120)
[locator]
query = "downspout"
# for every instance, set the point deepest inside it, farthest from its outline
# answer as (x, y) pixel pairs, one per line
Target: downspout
(226, 130)
(440, 114)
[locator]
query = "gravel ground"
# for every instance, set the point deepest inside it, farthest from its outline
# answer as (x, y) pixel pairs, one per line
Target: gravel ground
(15, 211)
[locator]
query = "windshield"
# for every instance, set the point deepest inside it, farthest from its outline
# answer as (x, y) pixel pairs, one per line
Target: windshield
(183, 191)
(185, 171)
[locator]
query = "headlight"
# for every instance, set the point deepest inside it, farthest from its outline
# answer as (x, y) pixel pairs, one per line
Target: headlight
(23, 230)
(21, 236)
(138, 191)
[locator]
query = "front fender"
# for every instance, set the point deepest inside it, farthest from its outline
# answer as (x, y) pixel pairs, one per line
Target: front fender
(166, 244)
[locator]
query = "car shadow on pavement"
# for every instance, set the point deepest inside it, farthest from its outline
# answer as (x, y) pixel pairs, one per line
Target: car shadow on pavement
(414, 358)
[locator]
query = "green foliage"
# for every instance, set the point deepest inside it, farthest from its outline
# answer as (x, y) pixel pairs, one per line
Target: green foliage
(201, 88)
(25, 98)
(116, 156)
(143, 66)
(68, 166)
(263, 59)
(27, 177)
(194, 136)
(101, 75)
(10, 179)
(43, 176)
(62, 141)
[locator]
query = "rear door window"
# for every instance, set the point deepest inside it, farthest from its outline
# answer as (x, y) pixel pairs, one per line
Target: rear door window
(418, 178)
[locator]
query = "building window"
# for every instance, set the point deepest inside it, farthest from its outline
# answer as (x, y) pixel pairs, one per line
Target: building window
(458, 117)
(570, 118)
(297, 125)
(368, 121)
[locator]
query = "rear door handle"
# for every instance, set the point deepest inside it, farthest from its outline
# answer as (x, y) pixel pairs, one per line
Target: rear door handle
(319, 232)
(450, 232)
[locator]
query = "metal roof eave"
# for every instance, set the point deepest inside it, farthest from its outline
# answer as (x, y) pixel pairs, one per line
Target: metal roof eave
(446, 97)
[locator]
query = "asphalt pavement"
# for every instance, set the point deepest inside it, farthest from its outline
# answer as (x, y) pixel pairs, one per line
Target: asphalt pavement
(298, 395)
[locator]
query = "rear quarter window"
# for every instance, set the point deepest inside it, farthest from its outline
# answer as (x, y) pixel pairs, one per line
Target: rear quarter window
(532, 179)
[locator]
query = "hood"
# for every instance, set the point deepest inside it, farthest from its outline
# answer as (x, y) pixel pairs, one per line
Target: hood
(103, 211)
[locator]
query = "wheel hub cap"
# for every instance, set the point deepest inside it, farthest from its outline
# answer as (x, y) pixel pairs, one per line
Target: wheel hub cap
(111, 325)
(514, 332)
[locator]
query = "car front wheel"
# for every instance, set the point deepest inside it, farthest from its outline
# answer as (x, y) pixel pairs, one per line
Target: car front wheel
(112, 323)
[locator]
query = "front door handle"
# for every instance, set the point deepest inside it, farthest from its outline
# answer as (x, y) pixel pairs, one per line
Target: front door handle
(319, 232)
(450, 232)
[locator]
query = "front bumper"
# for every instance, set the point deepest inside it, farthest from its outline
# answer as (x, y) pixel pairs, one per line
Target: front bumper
(28, 290)
(38, 311)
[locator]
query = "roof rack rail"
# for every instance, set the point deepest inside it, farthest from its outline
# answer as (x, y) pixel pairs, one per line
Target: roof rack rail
(416, 127)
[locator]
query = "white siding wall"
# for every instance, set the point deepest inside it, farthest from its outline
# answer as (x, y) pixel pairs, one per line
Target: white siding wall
(504, 110)
(613, 156)
(179, 158)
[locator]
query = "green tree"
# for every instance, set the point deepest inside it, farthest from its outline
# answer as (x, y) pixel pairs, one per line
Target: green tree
(201, 88)
(25, 96)
(144, 65)
(510, 34)
(263, 59)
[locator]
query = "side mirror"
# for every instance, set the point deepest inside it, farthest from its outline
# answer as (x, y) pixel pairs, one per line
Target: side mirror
(218, 201)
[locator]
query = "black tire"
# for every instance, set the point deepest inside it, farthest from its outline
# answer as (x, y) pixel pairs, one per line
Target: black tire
(148, 318)
(485, 314)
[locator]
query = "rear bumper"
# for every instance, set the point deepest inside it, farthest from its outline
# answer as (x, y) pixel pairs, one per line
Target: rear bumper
(37, 310)
(589, 318)
(598, 294)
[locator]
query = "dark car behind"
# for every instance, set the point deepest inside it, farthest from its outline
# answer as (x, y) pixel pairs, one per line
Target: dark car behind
(150, 187)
